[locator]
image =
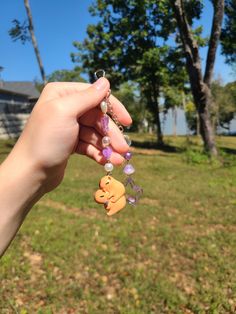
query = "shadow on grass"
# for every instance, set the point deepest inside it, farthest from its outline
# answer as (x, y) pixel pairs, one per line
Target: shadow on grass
(228, 150)
(4, 153)
(152, 145)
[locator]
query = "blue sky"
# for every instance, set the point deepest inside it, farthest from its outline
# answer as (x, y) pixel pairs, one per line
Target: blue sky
(57, 24)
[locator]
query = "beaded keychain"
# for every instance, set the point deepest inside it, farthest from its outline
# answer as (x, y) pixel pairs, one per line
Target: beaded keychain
(111, 192)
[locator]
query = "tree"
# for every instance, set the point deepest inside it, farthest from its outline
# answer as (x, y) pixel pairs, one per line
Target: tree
(225, 100)
(66, 76)
(25, 32)
(129, 41)
(129, 95)
(228, 36)
(200, 84)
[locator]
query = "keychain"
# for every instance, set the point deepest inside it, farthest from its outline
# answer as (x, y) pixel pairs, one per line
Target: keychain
(111, 192)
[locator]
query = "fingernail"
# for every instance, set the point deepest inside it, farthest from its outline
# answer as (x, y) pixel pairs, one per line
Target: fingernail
(100, 84)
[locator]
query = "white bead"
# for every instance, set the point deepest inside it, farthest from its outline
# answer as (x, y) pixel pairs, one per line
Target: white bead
(103, 106)
(108, 167)
(106, 141)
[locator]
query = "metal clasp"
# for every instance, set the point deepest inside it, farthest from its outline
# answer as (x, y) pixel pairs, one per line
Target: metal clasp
(99, 73)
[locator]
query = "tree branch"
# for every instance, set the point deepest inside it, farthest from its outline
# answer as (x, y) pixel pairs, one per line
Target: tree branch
(190, 45)
(213, 43)
(34, 42)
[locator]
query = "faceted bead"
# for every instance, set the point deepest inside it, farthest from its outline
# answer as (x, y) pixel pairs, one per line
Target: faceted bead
(128, 155)
(137, 188)
(106, 141)
(108, 167)
(105, 124)
(106, 152)
(131, 200)
(103, 106)
(129, 169)
(127, 139)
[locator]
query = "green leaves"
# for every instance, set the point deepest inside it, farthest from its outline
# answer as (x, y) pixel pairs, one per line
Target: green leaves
(228, 36)
(66, 76)
(225, 100)
(20, 31)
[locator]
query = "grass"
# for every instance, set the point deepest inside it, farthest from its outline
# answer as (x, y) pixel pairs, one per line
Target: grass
(173, 253)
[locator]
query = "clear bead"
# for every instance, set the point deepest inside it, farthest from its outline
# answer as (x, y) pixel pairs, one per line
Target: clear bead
(127, 139)
(106, 141)
(108, 167)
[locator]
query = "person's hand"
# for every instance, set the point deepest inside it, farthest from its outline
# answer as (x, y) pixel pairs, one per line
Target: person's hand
(65, 120)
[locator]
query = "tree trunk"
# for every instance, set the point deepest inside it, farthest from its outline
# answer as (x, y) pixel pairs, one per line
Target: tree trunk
(34, 42)
(198, 125)
(158, 121)
(206, 130)
(203, 101)
(200, 87)
(159, 131)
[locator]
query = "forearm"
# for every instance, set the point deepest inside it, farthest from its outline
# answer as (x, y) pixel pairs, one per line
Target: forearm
(21, 186)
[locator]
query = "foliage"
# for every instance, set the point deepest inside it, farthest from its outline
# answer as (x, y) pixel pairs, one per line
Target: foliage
(228, 36)
(225, 100)
(173, 253)
(191, 116)
(130, 42)
(25, 32)
(130, 97)
(66, 76)
(20, 31)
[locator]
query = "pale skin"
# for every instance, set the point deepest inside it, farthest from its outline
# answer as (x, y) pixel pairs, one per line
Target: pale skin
(64, 121)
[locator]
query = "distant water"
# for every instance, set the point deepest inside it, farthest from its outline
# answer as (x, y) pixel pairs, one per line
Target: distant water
(181, 125)
(168, 123)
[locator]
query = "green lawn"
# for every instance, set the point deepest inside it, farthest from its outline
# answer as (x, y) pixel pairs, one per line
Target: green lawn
(173, 253)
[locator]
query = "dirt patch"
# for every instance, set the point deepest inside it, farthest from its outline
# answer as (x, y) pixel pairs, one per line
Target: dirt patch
(88, 212)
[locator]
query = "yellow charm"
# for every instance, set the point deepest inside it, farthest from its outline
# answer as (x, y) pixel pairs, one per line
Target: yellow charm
(111, 194)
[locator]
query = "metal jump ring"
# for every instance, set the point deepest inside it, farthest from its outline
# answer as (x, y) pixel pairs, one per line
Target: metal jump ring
(121, 128)
(99, 73)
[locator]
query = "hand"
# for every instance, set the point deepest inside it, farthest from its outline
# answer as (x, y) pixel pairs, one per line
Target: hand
(66, 120)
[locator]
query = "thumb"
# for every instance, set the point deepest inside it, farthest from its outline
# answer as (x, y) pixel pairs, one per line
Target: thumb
(84, 100)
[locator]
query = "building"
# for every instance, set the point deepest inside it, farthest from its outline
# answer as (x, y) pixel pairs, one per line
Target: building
(16, 102)
(17, 97)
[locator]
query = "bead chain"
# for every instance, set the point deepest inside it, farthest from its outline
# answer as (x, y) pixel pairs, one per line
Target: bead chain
(107, 110)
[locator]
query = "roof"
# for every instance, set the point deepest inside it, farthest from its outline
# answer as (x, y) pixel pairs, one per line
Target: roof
(22, 88)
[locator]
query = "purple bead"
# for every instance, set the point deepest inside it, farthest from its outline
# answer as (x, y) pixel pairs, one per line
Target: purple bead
(131, 200)
(107, 152)
(128, 155)
(129, 181)
(105, 124)
(129, 169)
(137, 188)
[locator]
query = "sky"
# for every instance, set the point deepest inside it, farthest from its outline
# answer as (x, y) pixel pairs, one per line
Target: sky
(57, 24)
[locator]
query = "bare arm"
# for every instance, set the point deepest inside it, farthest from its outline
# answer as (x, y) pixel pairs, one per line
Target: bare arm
(64, 121)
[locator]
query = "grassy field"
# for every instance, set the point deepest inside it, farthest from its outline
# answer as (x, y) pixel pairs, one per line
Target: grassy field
(173, 253)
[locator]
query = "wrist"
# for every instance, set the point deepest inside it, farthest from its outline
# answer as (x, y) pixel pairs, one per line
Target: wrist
(22, 178)
(21, 186)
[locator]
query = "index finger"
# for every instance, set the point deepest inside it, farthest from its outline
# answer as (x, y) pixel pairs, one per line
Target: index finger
(69, 88)
(120, 111)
